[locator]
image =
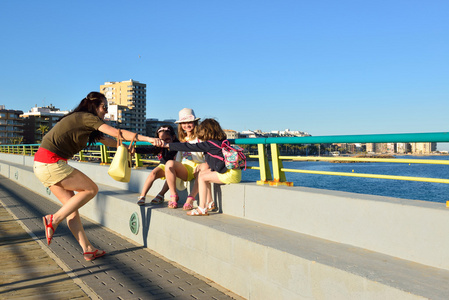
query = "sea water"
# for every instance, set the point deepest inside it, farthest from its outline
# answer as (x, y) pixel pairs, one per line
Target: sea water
(436, 192)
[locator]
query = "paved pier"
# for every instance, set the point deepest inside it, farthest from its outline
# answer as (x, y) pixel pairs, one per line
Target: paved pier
(32, 270)
(326, 245)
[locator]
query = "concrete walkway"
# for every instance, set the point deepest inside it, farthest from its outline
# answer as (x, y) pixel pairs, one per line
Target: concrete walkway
(31, 269)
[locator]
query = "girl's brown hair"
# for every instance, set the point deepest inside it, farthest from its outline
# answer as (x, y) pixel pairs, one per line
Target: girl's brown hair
(210, 129)
(182, 134)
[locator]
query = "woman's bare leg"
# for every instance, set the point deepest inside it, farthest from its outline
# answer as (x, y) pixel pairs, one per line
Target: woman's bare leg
(86, 189)
(76, 182)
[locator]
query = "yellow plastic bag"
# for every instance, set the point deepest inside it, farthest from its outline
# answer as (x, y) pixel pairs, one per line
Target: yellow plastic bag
(120, 168)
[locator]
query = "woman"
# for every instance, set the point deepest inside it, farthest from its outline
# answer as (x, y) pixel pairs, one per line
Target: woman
(82, 127)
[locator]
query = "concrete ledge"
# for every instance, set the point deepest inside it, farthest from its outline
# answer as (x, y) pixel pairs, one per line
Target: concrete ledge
(407, 229)
(256, 248)
(381, 224)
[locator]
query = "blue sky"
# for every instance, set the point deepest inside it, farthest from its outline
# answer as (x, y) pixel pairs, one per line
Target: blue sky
(324, 67)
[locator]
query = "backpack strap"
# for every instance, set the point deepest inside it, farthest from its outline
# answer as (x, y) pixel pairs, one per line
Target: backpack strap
(225, 143)
(215, 156)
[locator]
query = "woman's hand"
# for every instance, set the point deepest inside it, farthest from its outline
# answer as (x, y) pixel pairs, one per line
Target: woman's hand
(156, 142)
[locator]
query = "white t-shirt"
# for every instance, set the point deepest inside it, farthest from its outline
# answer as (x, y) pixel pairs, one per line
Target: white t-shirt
(197, 157)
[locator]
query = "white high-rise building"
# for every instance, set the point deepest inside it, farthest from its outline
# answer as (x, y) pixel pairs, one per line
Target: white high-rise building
(127, 102)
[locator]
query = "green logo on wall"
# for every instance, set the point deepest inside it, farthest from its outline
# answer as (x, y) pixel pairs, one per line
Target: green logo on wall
(134, 223)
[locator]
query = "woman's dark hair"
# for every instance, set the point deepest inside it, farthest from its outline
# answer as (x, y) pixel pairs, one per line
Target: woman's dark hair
(90, 104)
(210, 129)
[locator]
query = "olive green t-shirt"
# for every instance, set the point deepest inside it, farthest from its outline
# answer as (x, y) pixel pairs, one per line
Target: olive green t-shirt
(70, 135)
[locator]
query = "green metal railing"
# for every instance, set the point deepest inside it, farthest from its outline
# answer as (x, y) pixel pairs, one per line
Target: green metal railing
(279, 171)
(276, 174)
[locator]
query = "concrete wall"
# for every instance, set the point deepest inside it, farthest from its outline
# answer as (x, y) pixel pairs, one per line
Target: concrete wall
(406, 229)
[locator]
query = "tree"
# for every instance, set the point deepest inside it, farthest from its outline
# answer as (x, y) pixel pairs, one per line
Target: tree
(17, 140)
(43, 129)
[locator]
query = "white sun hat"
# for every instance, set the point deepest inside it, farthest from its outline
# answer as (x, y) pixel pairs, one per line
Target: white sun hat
(187, 115)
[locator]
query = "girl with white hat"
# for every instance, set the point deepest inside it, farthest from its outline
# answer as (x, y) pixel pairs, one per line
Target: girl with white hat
(185, 167)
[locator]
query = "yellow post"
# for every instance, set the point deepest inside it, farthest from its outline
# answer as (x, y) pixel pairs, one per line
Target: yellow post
(278, 174)
(104, 155)
(139, 162)
(81, 153)
(265, 173)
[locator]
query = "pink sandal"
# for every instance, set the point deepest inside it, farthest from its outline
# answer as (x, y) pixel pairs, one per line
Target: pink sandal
(174, 203)
(189, 204)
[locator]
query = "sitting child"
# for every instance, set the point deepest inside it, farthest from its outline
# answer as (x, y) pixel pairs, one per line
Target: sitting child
(186, 166)
(167, 134)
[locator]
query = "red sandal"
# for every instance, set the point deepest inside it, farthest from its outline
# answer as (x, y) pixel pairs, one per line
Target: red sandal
(48, 226)
(94, 255)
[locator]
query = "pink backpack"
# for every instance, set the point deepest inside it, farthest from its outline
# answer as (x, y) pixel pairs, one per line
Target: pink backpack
(233, 155)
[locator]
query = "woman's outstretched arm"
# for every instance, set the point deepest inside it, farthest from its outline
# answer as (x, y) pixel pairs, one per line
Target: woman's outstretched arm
(127, 135)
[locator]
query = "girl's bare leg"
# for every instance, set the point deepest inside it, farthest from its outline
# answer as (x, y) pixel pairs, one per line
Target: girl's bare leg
(155, 174)
(205, 178)
(174, 169)
(164, 189)
(195, 188)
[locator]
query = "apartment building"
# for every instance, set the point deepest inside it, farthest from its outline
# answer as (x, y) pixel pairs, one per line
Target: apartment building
(231, 134)
(127, 104)
(423, 148)
(11, 126)
(401, 148)
(38, 121)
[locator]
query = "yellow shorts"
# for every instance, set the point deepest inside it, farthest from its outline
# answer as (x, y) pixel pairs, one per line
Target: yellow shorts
(50, 174)
(162, 167)
(231, 176)
(190, 166)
